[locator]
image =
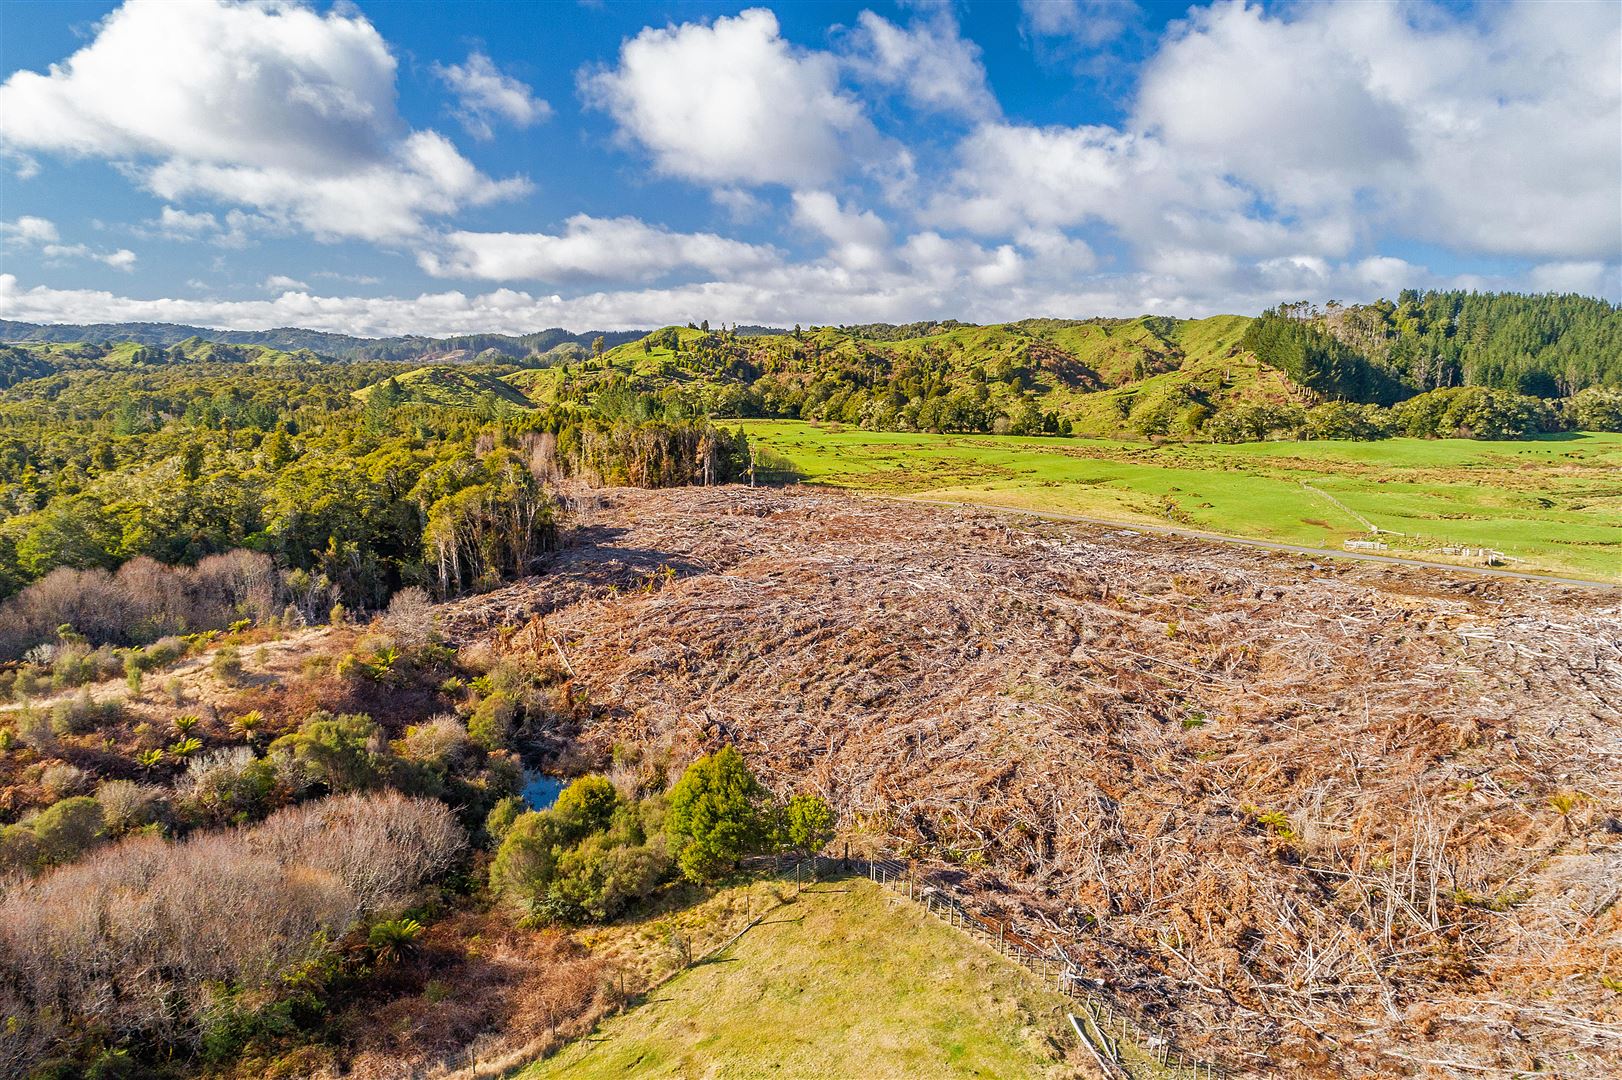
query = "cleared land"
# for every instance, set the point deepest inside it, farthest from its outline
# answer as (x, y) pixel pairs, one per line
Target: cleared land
(842, 982)
(1326, 820)
(1551, 505)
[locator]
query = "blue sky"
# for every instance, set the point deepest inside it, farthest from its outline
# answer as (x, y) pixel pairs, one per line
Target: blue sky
(404, 167)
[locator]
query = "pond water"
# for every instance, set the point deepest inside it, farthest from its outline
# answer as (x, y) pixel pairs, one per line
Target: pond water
(541, 791)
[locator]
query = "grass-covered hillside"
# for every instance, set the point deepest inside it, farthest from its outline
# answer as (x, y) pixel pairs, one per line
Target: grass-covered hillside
(445, 385)
(1031, 377)
(932, 1002)
(1552, 504)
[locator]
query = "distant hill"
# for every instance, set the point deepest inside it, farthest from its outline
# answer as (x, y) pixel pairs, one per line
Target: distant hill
(23, 360)
(1101, 373)
(444, 384)
(337, 346)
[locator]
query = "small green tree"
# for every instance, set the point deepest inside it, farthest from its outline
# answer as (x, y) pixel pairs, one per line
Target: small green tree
(808, 824)
(527, 860)
(715, 816)
(342, 750)
(586, 806)
(501, 817)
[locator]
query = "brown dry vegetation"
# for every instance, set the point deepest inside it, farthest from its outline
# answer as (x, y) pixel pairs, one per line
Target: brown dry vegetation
(1342, 820)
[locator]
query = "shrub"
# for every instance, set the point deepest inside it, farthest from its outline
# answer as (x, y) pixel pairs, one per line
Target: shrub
(257, 910)
(36, 732)
(83, 713)
(441, 741)
(61, 780)
(1253, 423)
(20, 850)
(1597, 408)
(225, 785)
(227, 664)
(380, 846)
(501, 818)
(597, 879)
(127, 805)
(410, 618)
(1345, 420)
(527, 859)
(491, 723)
(1474, 412)
(140, 600)
(344, 751)
(586, 806)
(69, 827)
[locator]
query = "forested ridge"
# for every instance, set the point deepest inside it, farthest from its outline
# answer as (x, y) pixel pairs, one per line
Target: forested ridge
(1542, 346)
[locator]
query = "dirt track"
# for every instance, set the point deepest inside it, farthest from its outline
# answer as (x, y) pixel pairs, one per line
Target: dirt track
(1347, 819)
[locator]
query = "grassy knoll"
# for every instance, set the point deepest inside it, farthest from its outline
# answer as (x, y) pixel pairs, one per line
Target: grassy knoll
(446, 384)
(1552, 504)
(841, 982)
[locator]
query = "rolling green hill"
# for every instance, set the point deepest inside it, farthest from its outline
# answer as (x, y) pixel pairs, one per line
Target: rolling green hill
(444, 384)
(51, 356)
(1097, 374)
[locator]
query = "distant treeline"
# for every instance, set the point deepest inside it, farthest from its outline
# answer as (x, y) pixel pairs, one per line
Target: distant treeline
(1459, 412)
(1548, 346)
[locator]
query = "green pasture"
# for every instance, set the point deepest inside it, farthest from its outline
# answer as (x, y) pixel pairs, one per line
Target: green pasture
(1552, 504)
(843, 982)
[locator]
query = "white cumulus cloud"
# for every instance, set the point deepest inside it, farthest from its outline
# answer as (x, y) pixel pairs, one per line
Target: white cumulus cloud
(859, 240)
(29, 230)
(609, 249)
(731, 102)
(929, 60)
(269, 105)
(122, 259)
(484, 93)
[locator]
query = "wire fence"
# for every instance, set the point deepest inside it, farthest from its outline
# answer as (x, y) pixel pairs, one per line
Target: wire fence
(1112, 1022)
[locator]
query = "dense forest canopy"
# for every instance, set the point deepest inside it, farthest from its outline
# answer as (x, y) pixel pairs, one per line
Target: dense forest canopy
(1542, 346)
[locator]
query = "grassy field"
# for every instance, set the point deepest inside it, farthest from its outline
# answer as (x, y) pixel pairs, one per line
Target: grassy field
(841, 982)
(1551, 505)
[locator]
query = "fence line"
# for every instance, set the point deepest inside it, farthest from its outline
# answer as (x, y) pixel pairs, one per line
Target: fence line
(1107, 1016)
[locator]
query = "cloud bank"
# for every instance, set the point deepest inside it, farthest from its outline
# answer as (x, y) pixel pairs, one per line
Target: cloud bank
(877, 177)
